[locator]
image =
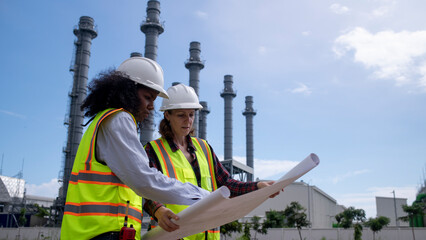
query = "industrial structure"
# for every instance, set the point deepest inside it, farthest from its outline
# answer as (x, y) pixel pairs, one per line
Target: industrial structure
(202, 133)
(391, 208)
(85, 32)
(321, 208)
(249, 113)
(234, 167)
(152, 28)
(194, 65)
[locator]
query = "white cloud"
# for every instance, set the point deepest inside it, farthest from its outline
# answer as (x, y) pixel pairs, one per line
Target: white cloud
(49, 189)
(303, 89)
(340, 178)
(367, 200)
(265, 169)
(381, 11)
(306, 33)
(201, 14)
(13, 114)
(391, 55)
(339, 9)
(262, 50)
(386, 9)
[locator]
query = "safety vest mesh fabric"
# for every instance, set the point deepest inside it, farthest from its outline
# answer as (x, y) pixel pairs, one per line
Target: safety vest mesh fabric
(96, 198)
(181, 169)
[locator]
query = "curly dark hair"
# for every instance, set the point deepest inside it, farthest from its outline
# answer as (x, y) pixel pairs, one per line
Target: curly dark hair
(166, 130)
(112, 89)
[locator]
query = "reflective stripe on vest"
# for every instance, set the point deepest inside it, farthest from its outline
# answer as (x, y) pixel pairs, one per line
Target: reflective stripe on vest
(96, 199)
(105, 209)
(209, 157)
(92, 141)
(185, 173)
(95, 178)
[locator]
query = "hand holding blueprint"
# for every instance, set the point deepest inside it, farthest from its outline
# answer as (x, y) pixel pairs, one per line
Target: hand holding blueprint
(218, 209)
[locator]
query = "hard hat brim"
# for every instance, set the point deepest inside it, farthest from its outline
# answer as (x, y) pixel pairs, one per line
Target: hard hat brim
(182, 106)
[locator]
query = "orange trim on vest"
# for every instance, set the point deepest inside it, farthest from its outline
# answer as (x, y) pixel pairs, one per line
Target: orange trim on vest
(99, 183)
(89, 158)
(164, 161)
(210, 163)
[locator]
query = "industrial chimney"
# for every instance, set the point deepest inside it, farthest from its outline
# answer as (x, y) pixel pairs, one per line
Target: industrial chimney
(202, 133)
(152, 29)
(84, 33)
(228, 94)
(249, 112)
(194, 65)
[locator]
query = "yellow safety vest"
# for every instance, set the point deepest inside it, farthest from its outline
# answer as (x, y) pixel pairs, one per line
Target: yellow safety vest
(96, 198)
(175, 165)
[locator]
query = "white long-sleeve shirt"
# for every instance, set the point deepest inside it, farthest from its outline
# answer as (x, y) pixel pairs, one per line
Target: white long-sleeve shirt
(118, 146)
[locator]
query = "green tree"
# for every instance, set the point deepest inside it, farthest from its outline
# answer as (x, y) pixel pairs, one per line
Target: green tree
(352, 217)
(376, 224)
(41, 211)
(296, 217)
(229, 228)
(246, 231)
(274, 219)
(22, 219)
(257, 226)
(417, 208)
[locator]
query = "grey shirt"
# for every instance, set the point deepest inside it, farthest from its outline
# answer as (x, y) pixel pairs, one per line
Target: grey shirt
(119, 147)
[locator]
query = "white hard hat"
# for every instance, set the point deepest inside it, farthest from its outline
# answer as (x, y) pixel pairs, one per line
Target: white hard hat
(146, 72)
(181, 97)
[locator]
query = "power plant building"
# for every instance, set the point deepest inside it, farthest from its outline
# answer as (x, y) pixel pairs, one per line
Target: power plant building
(320, 207)
(392, 209)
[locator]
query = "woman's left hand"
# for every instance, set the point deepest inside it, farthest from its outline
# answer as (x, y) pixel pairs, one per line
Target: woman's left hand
(267, 184)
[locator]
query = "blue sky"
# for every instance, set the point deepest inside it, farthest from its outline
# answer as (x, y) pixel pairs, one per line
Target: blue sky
(343, 79)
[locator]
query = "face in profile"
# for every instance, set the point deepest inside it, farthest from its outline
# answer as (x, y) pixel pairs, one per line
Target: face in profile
(147, 97)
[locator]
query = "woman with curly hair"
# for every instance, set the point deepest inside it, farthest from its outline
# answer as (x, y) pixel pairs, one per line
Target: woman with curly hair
(111, 172)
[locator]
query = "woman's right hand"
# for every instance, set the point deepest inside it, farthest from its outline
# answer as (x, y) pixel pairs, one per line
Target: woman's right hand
(164, 216)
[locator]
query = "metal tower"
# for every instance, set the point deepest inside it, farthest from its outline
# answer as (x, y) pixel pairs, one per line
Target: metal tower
(228, 94)
(152, 28)
(194, 65)
(249, 112)
(234, 167)
(202, 133)
(85, 33)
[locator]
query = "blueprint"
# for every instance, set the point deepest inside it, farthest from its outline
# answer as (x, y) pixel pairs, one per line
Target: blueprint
(218, 209)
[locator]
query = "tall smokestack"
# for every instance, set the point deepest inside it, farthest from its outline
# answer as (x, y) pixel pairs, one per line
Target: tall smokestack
(84, 33)
(203, 120)
(249, 112)
(152, 29)
(228, 94)
(194, 65)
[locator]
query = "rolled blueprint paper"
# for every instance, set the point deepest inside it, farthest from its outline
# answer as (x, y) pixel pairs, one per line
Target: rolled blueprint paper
(218, 209)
